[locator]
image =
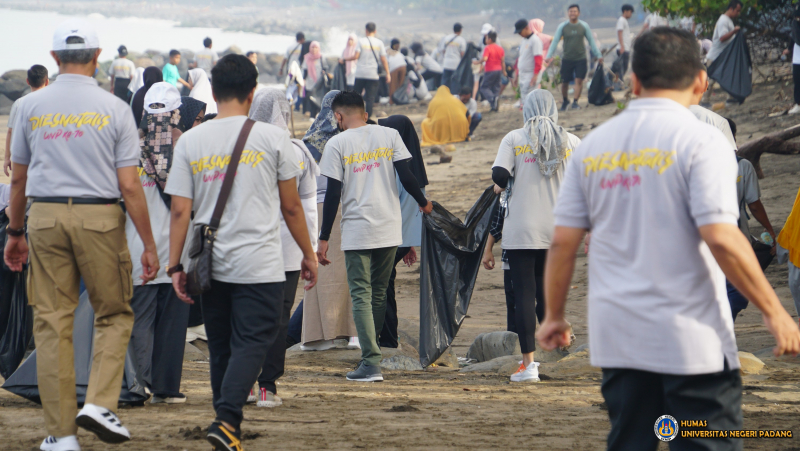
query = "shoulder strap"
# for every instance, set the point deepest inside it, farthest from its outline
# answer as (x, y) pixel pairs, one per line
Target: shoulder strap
(373, 53)
(227, 183)
(450, 41)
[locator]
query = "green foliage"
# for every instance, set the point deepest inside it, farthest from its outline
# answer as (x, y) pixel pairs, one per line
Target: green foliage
(705, 12)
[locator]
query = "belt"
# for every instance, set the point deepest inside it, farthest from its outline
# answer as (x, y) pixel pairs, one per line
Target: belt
(75, 200)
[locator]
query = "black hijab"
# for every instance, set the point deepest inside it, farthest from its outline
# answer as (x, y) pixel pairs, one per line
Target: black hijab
(405, 127)
(152, 75)
(189, 108)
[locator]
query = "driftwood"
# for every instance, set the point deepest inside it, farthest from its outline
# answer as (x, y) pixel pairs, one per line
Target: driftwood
(776, 143)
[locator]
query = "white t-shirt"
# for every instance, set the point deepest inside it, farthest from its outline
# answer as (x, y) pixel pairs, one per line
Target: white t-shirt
(5, 195)
(363, 160)
(529, 218)
(795, 57)
(724, 26)
(248, 246)
(747, 192)
(123, 68)
(529, 49)
(655, 20)
(371, 51)
(159, 224)
(293, 54)
(307, 188)
(428, 63)
(643, 183)
(452, 47)
(396, 61)
(472, 105)
(206, 59)
(714, 119)
(624, 27)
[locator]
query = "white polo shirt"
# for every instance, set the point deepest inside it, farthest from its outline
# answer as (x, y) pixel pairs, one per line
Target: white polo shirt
(123, 68)
(643, 183)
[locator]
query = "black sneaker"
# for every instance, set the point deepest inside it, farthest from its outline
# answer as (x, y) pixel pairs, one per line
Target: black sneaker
(565, 105)
(365, 373)
(222, 439)
(575, 106)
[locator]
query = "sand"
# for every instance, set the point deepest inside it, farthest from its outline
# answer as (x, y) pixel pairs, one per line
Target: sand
(441, 408)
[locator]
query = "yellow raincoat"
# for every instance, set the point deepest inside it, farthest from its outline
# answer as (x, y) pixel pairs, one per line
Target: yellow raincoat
(447, 120)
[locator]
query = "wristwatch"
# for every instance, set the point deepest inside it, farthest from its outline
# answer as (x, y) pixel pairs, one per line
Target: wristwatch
(14, 232)
(172, 270)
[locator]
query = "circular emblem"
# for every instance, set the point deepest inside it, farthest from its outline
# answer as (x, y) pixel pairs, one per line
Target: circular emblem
(666, 428)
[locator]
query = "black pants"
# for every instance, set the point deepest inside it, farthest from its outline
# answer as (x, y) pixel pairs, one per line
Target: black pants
(368, 89)
(121, 88)
(622, 65)
(511, 311)
(195, 314)
(276, 356)
(388, 336)
(243, 323)
(636, 399)
(158, 338)
(294, 331)
(490, 86)
(309, 106)
(527, 270)
(796, 77)
(383, 89)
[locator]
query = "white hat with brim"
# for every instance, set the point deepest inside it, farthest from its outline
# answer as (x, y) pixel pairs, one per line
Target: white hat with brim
(162, 93)
(75, 28)
(487, 27)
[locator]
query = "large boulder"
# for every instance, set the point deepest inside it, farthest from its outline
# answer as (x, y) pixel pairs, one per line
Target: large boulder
(5, 105)
(491, 345)
(19, 74)
(144, 61)
(750, 364)
(14, 88)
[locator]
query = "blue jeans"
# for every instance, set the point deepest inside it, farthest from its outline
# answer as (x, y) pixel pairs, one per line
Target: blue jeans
(738, 302)
(473, 123)
(447, 75)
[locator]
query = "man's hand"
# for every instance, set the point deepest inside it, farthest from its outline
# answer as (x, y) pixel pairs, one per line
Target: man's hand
(785, 331)
(427, 209)
(179, 284)
(7, 165)
(388, 78)
(150, 265)
(341, 61)
(16, 253)
(553, 333)
(322, 253)
(736, 29)
(549, 61)
(497, 189)
(411, 257)
(488, 260)
(600, 60)
(308, 271)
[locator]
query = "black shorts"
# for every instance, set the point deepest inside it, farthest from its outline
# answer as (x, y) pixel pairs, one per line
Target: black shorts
(570, 70)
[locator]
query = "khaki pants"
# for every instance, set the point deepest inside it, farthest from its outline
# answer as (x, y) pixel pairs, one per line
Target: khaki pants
(69, 242)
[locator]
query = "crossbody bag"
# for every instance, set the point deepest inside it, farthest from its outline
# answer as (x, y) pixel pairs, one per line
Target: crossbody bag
(381, 69)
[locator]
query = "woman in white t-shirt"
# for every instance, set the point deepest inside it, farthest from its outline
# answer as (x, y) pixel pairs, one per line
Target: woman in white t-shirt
(427, 66)
(530, 164)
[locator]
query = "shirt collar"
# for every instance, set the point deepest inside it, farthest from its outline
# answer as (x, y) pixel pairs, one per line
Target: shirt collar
(659, 104)
(75, 78)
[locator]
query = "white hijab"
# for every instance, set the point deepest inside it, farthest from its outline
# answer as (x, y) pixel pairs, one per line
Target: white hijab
(201, 89)
(548, 140)
(162, 97)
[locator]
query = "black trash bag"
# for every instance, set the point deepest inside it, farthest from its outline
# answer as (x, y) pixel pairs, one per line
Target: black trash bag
(451, 257)
(24, 381)
(339, 82)
(763, 254)
(600, 89)
(402, 95)
(733, 69)
(19, 330)
(463, 75)
(6, 280)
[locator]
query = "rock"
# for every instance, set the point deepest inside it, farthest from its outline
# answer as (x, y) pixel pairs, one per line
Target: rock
(402, 363)
(750, 363)
(144, 61)
(19, 74)
(509, 368)
(14, 89)
(192, 354)
(436, 150)
(450, 148)
(408, 331)
(5, 105)
(542, 356)
(488, 346)
(494, 365)
(449, 359)
(445, 159)
(583, 347)
(232, 49)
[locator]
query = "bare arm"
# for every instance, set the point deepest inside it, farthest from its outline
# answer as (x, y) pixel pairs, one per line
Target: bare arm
(292, 209)
(131, 188)
(7, 157)
(760, 213)
(488, 256)
(180, 216)
(726, 37)
(385, 63)
(184, 83)
(736, 258)
(621, 41)
(16, 251)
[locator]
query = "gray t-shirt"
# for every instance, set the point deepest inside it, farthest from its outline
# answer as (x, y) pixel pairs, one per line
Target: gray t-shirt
(747, 192)
(159, 224)
(363, 160)
(371, 49)
(452, 47)
(248, 246)
(12, 115)
(724, 26)
(74, 136)
(307, 188)
(643, 183)
(206, 59)
(428, 63)
(122, 68)
(529, 220)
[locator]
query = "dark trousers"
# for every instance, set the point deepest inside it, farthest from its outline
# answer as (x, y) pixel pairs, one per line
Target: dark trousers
(368, 89)
(527, 271)
(309, 106)
(511, 311)
(158, 338)
(447, 78)
(388, 337)
(490, 86)
(622, 64)
(274, 364)
(436, 76)
(473, 122)
(796, 77)
(121, 88)
(383, 89)
(737, 301)
(636, 399)
(294, 332)
(195, 314)
(243, 323)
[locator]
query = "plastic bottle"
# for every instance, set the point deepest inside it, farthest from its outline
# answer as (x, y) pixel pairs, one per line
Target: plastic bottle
(766, 238)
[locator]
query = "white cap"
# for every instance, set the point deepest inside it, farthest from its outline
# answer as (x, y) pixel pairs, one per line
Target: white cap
(78, 28)
(164, 93)
(487, 27)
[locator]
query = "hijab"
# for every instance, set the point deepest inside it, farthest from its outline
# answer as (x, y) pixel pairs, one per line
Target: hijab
(537, 27)
(137, 81)
(162, 115)
(150, 76)
(548, 140)
(201, 89)
(311, 59)
(189, 110)
(323, 128)
(405, 127)
(349, 52)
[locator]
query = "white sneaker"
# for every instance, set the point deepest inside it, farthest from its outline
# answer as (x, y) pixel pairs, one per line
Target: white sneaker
(529, 374)
(68, 443)
(795, 109)
(353, 343)
(383, 100)
(269, 399)
(251, 398)
(321, 345)
(103, 423)
(197, 332)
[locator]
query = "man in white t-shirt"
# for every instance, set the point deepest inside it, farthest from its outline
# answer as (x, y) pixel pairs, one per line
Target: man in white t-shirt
(206, 58)
(656, 187)
(243, 307)
(360, 164)
(724, 33)
(293, 53)
(531, 57)
(371, 57)
(122, 70)
(624, 39)
(453, 47)
(37, 79)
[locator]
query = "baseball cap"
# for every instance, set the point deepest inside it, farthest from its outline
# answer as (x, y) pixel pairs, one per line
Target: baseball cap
(162, 97)
(520, 25)
(78, 28)
(486, 28)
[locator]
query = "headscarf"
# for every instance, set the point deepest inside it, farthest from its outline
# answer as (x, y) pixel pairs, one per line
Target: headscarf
(162, 97)
(189, 109)
(323, 128)
(537, 27)
(349, 52)
(270, 106)
(157, 125)
(548, 140)
(405, 127)
(137, 81)
(201, 89)
(150, 76)
(311, 59)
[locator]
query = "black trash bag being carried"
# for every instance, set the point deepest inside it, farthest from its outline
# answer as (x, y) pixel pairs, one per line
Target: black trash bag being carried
(463, 75)
(339, 78)
(6, 280)
(402, 95)
(733, 69)
(19, 331)
(601, 87)
(451, 257)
